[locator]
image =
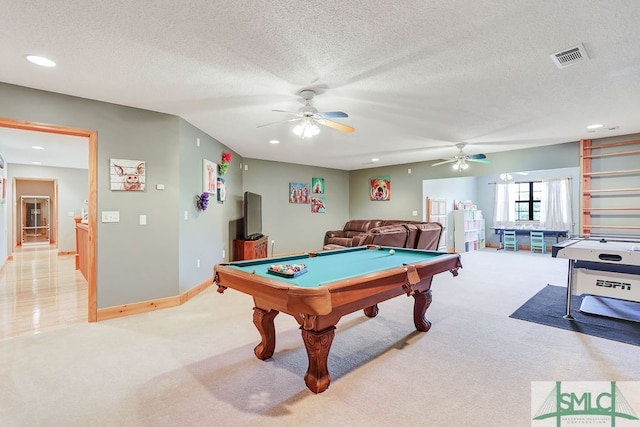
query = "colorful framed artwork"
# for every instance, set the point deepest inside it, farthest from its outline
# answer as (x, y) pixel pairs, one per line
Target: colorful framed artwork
(221, 190)
(317, 185)
(380, 188)
(209, 177)
(3, 184)
(318, 204)
(127, 175)
(299, 193)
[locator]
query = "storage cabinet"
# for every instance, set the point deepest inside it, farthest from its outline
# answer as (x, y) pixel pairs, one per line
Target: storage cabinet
(469, 234)
(250, 249)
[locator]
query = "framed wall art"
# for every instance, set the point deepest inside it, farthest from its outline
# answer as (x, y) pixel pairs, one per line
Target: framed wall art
(380, 188)
(317, 185)
(3, 189)
(221, 190)
(299, 193)
(127, 175)
(209, 177)
(318, 204)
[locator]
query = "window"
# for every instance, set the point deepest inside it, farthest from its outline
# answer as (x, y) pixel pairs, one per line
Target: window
(528, 200)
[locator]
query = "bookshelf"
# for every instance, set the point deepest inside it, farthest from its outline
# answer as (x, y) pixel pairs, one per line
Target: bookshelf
(468, 232)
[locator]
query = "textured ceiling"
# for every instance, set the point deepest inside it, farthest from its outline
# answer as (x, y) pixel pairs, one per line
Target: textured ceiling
(416, 77)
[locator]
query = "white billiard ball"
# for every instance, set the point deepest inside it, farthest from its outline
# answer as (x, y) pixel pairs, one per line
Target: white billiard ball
(392, 251)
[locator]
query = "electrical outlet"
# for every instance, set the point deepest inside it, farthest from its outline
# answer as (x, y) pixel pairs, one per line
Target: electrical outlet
(198, 263)
(186, 215)
(224, 253)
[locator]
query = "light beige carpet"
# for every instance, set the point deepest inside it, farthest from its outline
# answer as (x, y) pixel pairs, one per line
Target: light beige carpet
(194, 365)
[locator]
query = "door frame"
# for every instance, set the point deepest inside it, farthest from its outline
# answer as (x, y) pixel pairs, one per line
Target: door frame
(92, 137)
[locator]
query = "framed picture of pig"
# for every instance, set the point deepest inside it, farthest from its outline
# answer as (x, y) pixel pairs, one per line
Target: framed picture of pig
(127, 175)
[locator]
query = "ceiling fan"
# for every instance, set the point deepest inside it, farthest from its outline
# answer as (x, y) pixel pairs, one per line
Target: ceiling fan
(309, 117)
(460, 160)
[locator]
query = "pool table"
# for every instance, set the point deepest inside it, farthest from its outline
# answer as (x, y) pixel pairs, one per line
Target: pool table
(334, 283)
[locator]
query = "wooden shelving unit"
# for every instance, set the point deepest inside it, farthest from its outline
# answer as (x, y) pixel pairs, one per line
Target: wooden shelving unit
(606, 206)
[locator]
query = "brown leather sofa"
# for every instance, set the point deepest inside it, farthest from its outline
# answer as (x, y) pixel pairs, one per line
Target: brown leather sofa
(396, 233)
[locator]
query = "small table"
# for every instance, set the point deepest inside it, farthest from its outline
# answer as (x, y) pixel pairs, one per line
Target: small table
(526, 231)
(336, 283)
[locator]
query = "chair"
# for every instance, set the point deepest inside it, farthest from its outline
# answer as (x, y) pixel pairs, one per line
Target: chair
(509, 240)
(537, 242)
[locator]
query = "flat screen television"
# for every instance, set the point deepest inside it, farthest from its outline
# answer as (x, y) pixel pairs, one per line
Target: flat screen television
(252, 209)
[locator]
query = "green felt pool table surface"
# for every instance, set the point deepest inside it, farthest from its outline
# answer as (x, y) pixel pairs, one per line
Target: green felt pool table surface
(331, 266)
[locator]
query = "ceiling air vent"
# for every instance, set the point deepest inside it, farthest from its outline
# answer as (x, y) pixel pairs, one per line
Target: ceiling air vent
(569, 56)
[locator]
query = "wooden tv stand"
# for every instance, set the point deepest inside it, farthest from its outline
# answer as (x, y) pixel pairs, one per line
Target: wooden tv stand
(250, 249)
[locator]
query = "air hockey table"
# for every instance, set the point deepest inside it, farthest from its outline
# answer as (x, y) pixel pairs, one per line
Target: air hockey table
(606, 270)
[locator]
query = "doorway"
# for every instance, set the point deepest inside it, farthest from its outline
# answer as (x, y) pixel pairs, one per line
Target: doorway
(92, 139)
(35, 219)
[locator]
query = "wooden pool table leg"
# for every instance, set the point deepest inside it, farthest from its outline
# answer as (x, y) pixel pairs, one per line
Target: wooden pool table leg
(264, 323)
(371, 311)
(318, 345)
(422, 301)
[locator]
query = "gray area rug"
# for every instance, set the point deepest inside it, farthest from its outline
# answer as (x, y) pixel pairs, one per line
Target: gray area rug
(548, 307)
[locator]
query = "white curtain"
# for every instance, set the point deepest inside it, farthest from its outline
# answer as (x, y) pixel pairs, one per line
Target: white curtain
(555, 204)
(504, 211)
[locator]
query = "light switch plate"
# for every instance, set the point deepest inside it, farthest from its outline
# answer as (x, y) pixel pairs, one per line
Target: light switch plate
(110, 216)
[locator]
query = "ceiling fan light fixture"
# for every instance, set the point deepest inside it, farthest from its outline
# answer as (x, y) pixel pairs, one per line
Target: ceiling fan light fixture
(460, 165)
(306, 129)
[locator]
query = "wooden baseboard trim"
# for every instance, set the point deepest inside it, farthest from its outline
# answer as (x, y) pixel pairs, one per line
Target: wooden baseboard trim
(152, 305)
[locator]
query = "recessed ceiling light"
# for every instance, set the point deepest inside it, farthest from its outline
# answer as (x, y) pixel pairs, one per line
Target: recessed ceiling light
(37, 147)
(375, 159)
(274, 141)
(36, 163)
(596, 126)
(40, 60)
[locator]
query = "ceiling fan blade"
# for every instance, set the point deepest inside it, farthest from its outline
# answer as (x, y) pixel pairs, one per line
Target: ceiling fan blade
(284, 121)
(477, 156)
(288, 112)
(332, 114)
(478, 160)
(444, 162)
(336, 125)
